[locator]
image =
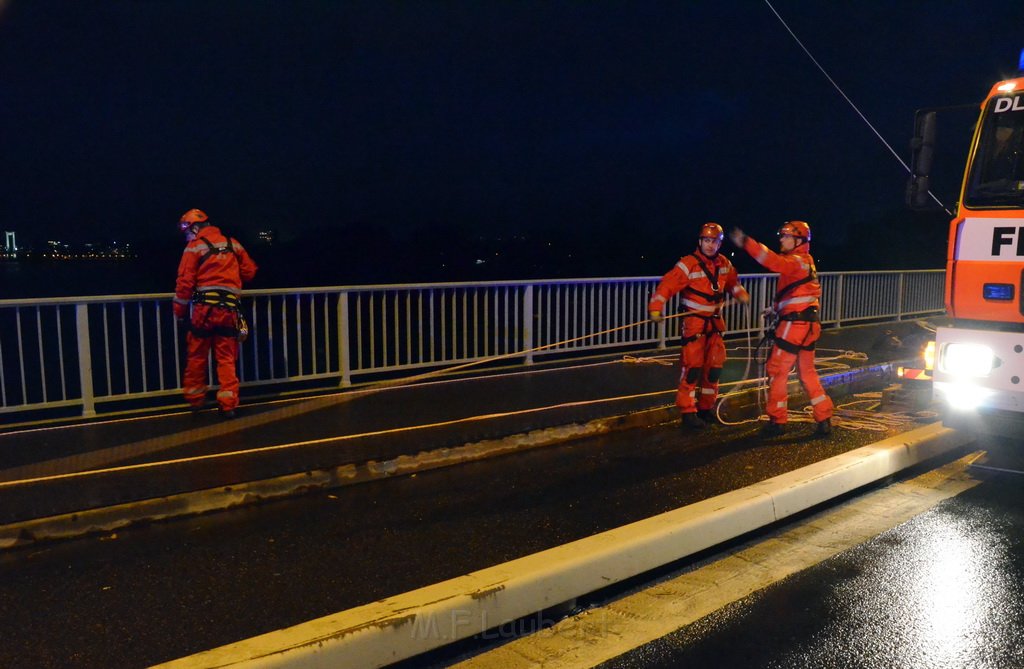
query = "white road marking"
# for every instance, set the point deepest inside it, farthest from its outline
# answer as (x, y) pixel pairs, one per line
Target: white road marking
(598, 635)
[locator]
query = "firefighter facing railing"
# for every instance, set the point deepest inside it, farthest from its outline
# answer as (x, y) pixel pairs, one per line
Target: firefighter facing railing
(210, 277)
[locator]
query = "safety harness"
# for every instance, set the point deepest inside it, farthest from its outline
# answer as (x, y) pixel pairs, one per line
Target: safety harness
(217, 297)
(809, 315)
(715, 297)
(212, 250)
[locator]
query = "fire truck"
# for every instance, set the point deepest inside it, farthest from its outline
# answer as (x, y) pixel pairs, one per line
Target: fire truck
(978, 373)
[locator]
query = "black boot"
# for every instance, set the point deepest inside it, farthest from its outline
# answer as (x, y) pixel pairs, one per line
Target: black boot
(824, 428)
(692, 421)
(772, 429)
(708, 416)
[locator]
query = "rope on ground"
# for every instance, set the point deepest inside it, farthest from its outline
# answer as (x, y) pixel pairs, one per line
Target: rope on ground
(843, 416)
(667, 360)
(34, 473)
(861, 414)
(832, 363)
(925, 325)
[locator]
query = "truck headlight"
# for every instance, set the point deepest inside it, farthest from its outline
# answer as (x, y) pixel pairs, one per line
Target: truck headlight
(929, 355)
(967, 360)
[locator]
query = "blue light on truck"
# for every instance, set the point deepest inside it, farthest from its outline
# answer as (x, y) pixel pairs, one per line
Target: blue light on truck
(997, 291)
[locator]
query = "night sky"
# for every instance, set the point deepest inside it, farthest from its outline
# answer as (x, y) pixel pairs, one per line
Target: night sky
(603, 121)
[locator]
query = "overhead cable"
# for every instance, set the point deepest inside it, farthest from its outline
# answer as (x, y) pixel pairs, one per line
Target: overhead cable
(848, 100)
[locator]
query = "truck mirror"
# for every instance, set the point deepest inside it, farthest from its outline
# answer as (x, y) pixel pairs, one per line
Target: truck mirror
(922, 154)
(922, 146)
(917, 192)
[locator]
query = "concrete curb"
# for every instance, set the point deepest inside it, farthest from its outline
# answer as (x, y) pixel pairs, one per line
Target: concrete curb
(120, 516)
(111, 517)
(406, 625)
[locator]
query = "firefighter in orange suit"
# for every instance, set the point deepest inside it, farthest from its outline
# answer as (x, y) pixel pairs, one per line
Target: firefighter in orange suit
(210, 277)
(704, 278)
(796, 307)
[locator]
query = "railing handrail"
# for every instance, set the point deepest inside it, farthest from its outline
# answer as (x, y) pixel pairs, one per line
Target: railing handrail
(365, 288)
(86, 350)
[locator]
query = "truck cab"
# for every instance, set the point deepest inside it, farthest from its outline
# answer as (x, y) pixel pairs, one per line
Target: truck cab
(979, 358)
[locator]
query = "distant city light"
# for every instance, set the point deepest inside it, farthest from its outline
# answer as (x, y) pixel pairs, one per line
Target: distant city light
(55, 249)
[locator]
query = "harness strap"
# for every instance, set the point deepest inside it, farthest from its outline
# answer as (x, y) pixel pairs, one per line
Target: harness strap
(213, 250)
(810, 314)
(709, 330)
(812, 276)
(217, 298)
(717, 295)
(790, 347)
(219, 331)
(710, 297)
(713, 278)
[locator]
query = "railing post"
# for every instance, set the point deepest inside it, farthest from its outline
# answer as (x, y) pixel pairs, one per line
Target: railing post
(899, 299)
(839, 301)
(344, 364)
(85, 360)
(528, 317)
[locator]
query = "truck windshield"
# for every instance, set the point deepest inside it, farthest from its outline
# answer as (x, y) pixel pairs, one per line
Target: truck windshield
(996, 178)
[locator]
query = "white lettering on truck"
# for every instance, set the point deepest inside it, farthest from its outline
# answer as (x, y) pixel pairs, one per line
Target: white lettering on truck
(990, 239)
(1003, 236)
(1007, 104)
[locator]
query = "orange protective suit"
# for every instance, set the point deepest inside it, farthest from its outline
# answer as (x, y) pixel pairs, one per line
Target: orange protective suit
(797, 304)
(210, 277)
(704, 282)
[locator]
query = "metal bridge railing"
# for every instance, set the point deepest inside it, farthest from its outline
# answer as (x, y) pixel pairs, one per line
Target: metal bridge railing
(93, 352)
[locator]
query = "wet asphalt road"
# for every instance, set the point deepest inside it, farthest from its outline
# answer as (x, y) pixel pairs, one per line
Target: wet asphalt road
(944, 590)
(155, 593)
(159, 592)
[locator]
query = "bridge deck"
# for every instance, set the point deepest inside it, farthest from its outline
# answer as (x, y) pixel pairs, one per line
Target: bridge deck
(75, 467)
(154, 593)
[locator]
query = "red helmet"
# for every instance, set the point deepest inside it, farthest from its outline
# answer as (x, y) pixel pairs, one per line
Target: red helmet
(191, 217)
(796, 229)
(712, 229)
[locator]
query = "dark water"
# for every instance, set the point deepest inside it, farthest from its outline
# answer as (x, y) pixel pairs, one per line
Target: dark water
(84, 277)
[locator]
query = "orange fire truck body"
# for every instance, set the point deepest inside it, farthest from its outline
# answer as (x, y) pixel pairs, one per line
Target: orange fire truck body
(979, 359)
